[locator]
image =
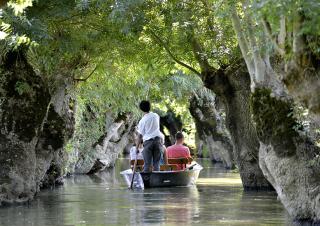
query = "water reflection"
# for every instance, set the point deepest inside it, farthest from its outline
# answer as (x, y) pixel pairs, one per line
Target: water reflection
(104, 199)
(168, 205)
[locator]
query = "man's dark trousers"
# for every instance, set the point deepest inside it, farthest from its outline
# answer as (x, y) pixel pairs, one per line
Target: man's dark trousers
(152, 154)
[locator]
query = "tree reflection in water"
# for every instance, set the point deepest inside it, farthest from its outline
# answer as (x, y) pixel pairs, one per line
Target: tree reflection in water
(104, 199)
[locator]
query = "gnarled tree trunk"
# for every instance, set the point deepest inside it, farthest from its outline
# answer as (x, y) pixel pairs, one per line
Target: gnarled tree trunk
(173, 124)
(202, 109)
(58, 128)
(232, 86)
(288, 158)
(104, 152)
(33, 130)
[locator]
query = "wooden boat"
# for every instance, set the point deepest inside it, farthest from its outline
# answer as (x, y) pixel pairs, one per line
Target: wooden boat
(167, 176)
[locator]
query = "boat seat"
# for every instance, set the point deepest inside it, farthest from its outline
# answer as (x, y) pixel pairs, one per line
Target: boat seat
(168, 167)
(140, 162)
(180, 161)
(139, 166)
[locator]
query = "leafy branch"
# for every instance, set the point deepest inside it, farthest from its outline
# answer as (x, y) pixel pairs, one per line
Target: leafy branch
(165, 46)
(86, 78)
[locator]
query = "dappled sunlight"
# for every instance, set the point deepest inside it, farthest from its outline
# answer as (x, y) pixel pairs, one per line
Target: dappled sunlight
(219, 181)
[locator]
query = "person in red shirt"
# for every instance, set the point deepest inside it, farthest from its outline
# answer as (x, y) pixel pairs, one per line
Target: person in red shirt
(178, 150)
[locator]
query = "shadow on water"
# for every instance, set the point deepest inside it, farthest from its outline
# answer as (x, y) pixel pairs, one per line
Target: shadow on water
(104, 199)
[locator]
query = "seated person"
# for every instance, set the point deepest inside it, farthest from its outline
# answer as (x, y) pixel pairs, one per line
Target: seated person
(163, 158)
(178, 150)
(133, 153)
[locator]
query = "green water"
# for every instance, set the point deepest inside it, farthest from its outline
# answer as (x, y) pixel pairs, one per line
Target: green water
(104, 199)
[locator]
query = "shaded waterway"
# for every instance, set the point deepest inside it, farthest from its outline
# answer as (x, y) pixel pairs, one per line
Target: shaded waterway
(104, 199)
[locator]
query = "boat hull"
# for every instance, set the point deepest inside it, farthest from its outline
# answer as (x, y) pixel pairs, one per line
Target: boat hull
(163, 178)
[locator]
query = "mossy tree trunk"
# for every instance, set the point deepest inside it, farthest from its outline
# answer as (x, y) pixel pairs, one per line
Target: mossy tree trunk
(232, 86)
(58, 128)
(288, 158)
(33, 130)
(24, 101)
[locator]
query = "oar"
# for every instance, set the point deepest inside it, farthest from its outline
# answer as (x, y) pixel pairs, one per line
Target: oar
(190, 167)
(134, 169)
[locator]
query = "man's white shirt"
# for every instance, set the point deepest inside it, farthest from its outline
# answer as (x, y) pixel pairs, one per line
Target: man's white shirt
(149, 126)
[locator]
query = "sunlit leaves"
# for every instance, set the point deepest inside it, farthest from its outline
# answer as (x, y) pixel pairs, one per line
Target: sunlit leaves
(274, 10)
(19, 5)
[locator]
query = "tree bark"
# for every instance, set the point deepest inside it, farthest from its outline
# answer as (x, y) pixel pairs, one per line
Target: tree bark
(33, 131)
(24, 101)
(57, 129)
(288, 158)
(93, 155)
(232, 86)
(215, 139)
(173, 123)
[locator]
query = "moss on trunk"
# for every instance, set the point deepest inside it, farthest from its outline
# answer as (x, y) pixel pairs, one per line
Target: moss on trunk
(275, 122)
(232, 86)
(32, 134)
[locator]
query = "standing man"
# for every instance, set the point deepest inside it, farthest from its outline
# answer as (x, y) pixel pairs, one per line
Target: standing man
(149, 132)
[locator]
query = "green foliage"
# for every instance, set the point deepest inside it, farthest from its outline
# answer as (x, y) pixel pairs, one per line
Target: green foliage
(14, 26)
(175, 22)
(69, 147)
(273, 10)
(205, 151)
(117, 53)
(90, 125)
(22, 87)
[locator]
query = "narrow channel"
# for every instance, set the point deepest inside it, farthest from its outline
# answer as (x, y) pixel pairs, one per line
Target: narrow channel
(103, 199)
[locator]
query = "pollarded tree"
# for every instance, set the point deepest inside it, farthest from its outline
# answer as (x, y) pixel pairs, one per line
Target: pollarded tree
(42, 114)
(278, 41)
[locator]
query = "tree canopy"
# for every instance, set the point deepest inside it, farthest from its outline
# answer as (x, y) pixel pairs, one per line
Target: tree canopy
(119, 52)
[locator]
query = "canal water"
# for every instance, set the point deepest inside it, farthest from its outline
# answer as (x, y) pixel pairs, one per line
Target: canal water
(104, 199)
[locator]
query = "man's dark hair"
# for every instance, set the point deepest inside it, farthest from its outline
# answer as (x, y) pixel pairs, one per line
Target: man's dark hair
(145, 106)
(179, 135)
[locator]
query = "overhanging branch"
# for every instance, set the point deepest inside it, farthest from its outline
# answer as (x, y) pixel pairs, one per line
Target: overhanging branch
(165, 46)
(86, 78)
(242, 40)
(197, 50)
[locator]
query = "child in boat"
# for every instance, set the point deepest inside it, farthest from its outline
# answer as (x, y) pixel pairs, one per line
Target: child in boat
(178, 150)
(133, 155)
(133, 152)
(137, 182)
